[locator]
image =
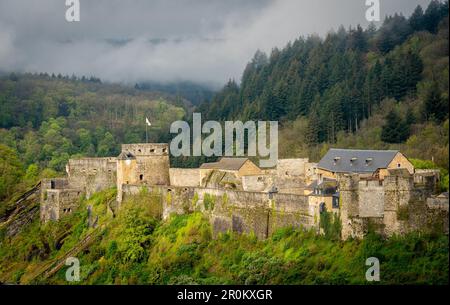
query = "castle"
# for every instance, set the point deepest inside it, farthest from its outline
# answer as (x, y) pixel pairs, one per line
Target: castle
(388, 196)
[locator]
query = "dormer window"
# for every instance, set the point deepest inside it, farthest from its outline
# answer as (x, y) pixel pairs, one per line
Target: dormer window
(353, 160)
(368, 161)
(336, 160)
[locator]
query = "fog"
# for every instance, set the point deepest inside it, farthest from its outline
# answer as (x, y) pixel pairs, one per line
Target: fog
(204, 41)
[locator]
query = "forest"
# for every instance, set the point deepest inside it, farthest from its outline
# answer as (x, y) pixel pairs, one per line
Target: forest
(373, 88)
(47, 119)
(356, 88)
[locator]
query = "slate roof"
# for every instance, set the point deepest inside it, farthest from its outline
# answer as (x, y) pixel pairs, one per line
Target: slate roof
(126, 156)
(356, 161)
(225, 164)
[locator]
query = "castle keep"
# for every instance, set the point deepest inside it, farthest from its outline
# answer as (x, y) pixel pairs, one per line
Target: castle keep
(386, 194)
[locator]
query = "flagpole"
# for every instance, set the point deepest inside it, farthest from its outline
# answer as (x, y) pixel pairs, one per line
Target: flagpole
(146, 133)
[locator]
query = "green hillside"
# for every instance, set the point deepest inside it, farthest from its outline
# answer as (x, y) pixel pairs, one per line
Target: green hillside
(45, 120)
(137, 248)
(374, 88)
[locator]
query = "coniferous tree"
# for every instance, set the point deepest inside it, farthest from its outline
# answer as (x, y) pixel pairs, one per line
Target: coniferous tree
(435, 107)
(432, 16)
(395, 130)
(416, 21)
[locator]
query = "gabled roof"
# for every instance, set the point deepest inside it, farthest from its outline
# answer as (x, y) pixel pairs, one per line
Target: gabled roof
(356, 161)
(126, 156)
(225, 164)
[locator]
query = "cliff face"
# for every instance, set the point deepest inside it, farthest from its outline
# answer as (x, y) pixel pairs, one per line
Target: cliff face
(24, 211)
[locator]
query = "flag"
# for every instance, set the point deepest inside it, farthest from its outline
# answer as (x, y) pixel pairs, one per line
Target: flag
(148, 122)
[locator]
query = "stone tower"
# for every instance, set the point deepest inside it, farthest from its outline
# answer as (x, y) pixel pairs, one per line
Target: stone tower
(352, 225)
(142, 164)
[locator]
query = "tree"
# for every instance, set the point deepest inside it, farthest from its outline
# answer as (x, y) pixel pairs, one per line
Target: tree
(11, 171)
(416, 21)
(107, 146)
(435, 107)
(395, 129)
(432, 16)
(410, 117)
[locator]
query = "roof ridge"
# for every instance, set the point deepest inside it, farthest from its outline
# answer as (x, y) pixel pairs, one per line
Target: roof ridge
(381, 150)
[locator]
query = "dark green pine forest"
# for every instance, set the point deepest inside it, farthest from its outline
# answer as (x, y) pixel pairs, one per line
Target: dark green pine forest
(363, 88)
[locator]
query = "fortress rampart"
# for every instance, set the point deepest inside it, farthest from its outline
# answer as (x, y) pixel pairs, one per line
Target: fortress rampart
(237, 211)
(259, 203)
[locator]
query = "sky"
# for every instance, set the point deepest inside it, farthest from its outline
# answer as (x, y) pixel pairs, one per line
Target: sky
(203, 41)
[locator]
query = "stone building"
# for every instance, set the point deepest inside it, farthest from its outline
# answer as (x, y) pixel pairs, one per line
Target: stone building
(92, 174)
(370, 163)
(58, 198)
(378, 190)
(142, 164)
(227, 173)
(394, 205)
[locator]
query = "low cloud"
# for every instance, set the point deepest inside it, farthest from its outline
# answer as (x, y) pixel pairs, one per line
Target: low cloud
(195, 40)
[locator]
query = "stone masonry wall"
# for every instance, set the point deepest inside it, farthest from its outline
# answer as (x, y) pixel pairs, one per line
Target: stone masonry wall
(56, 203)
(184, 177)
(238, 211)
(92, 174)
(371, 198)
(394, 206)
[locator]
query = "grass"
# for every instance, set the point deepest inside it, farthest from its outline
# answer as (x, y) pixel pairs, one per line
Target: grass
(138, 248)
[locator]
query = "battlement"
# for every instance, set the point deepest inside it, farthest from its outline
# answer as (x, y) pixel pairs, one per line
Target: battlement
(147, 149)
(396, 201)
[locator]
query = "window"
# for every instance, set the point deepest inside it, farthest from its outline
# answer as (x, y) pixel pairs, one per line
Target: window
(152, 150)
(164, 150)
(335, 203)
(399, 165)
(141, 177)
(322, 207)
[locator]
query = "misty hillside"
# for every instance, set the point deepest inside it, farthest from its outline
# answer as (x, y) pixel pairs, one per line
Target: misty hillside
(373, 88)
(192, 92)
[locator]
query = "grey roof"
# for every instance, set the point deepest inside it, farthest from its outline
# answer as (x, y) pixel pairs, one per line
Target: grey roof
(225, 164)
(356, 161)
(126, 156)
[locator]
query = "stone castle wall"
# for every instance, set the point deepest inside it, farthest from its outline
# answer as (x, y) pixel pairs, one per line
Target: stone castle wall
(261, 183)
(371, 198)
(56, 203)
(184, 177)
(392, 206)
(396, 205)
(92, 174)
(237, 211)
(152, 163)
